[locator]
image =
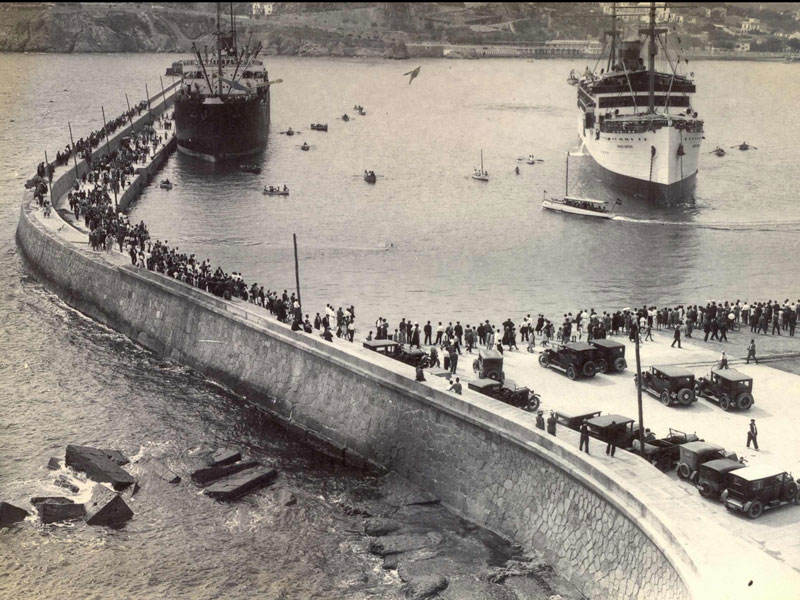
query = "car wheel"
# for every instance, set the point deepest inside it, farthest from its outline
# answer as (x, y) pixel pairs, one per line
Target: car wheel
(724, 402)
(756, 508)
(698, 390)
(684, 471)
(705, 489)
(533, 403)
(745, 401)
(790, 491)
(665, 399)
(685, 396)
(664, 463)
(572, 373)
(475, 366)
(620, 364)
(797, 497)
(493, 375)
(543, 360)
(589, 368)
(602, 366)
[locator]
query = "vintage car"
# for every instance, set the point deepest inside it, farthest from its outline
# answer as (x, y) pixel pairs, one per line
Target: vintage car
(574, 421)
(712, 477)
(694, 454)
(404, 353)
(728, 387)
(669, 384)
(489, 364)
(610, 355)
(507, 392)
(752, 489)
(622, 430)
(576, 359)
(663, 452)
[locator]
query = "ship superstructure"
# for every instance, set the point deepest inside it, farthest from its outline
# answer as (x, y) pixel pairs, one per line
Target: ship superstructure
(223, 108)
(638, 123)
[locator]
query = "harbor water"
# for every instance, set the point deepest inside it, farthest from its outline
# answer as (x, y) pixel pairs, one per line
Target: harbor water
(425, 242)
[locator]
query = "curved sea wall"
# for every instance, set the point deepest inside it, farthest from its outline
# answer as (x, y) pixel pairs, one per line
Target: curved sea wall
(485, 460)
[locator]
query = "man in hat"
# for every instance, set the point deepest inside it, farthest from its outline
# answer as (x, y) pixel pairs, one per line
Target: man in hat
(723, 360)
(551, 423)
(584, 443)
(612, 439)
(752, 434)
(676, 338)
(540, 420)
(751, 351)
(415, 335)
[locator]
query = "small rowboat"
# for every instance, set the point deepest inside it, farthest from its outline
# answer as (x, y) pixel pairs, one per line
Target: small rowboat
(370, 177)
(305, 147)
(165, 184)
(362, 112)
(319, 126)
(254, 169)
(579, 206)
(276, 192)
(345, 118)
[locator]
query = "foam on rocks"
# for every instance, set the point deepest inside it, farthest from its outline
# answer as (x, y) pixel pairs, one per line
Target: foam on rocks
(242, 483)
(224, 456)
(65, 482)
(96, 464)
(107, 508)
(10, 514)
(205, 476)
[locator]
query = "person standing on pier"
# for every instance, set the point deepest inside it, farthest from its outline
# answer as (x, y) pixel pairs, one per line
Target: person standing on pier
(415, 335)
(469, 338)
(751, 352)
(551, 424)
(611, 446)
(752, 434)
(453, 357)
(439, 333)
(584, 443)
(540, 420)
(676, 337)
(458, 330)
(428, 331)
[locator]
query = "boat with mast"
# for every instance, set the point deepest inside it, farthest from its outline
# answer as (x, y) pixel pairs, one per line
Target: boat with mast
(587, 207)
(637, 123)
(480, 174)
(222, 110)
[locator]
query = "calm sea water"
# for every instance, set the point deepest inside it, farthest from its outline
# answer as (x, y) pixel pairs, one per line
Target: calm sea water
(425, 242)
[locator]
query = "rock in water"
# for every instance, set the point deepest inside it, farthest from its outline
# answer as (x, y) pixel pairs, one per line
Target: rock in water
(11, 514)
(425, 586)
(286, 498)
(378, 526)
(53, 464)
(64, 482)
(107, 508)
(224, 456)
(116, 456)
(205, 476)
(51, 500)
(393, 544)
(97, 466)
(52, 513)
(237, 485)
(164, 472)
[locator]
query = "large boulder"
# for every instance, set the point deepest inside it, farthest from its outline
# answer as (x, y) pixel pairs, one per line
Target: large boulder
(240, 484)
(205, 476)
(107, 508)
(53, 513)
(96, 464)
(51, 499)
(164, 472)
(54, 464)
(425, 586)
(406, 542)
(224, 456)
(377, 526)
(116, 456)
(10, 514)
(65, 482)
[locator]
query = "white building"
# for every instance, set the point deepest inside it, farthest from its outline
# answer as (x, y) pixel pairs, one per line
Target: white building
(750, 25)
(742, 47)
(262, 8)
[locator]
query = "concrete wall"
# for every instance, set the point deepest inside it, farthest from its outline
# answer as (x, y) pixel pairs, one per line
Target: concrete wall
(483, 459)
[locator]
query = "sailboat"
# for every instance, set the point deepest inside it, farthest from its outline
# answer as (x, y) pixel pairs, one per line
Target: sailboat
(587, 207)
(481, 174)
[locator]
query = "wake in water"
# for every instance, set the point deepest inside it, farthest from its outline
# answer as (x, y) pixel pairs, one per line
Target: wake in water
(773, 226)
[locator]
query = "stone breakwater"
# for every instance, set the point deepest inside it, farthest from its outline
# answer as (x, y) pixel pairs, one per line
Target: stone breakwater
(609, 536)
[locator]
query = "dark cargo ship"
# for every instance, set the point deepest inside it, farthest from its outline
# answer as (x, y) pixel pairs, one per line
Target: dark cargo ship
(222, 109)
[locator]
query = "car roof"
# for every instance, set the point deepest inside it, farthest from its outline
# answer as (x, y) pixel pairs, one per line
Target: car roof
(757, 472)
(700, 447)
(608, 343)
(490, 354)
(380, 343)
(605, 420)
(578, 346)
(731, 374)
(723, 465)
(671, 371)
(483, 383)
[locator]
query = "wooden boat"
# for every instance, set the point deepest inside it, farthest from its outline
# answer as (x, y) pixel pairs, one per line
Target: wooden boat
(254, 169)
(289, 131)
(165, 184)
(276, 192)
(481, 174)
(305, 147)
(362, 112)
(345, 117)
(579, 206)
(370, 177)
(573, 79)
(718, 151)
(319, 126)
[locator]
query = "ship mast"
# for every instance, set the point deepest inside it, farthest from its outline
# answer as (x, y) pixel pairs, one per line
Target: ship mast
(612, 55)
(219, 53)
(652, 59)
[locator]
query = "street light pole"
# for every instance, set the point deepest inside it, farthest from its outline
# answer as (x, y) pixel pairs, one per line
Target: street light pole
(297, 273)
(639, 393)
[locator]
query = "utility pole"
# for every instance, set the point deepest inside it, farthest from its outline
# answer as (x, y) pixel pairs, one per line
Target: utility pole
(163, 93)
(130, 113)
(639, 393)
(297, 272)
(147, 94)
(49, 178)
(105, 130)
(74, 149)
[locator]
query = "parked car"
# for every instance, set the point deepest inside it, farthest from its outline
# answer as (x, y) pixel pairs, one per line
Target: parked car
(669, 384)
(694, 454)
(610, 355)
(729, 387)
(507, 392)
(622, 429)
(404, 353)
(574, 421)
(489, 364)
(712, 477)
(663, 452)
(576, 359)
(752, 489)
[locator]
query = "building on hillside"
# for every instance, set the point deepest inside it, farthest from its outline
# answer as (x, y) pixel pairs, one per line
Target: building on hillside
(742, 47)
(751, 25)
(262, 8)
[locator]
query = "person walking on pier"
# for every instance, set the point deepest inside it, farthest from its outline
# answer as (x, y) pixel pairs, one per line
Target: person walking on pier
(676, 337)
(723, 360)
(469, 338)
(453, 357)
(551, 424)
(584, 443)
(752, 434)
(751, 351)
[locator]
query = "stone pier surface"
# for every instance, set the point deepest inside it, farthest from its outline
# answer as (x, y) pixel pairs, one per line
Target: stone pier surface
(616, 528)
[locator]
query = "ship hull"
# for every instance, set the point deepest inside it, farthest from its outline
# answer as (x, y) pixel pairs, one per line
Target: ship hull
(219, 131)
